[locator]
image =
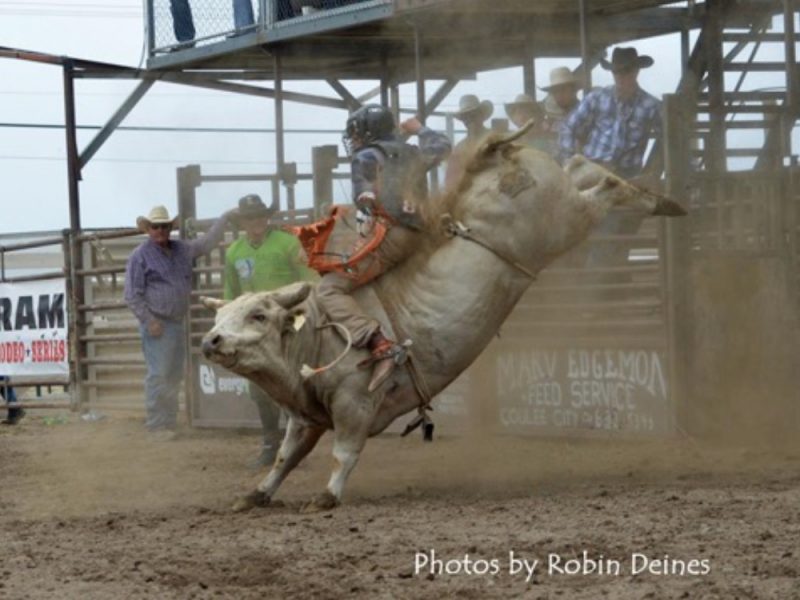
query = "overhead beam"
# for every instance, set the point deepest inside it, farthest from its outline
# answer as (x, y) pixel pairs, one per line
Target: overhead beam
(117, 118)
(366, 97)
(251, 90)
(351, 101)
(439, 95)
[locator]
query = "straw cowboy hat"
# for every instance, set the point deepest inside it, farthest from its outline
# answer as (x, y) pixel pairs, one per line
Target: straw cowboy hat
(523, 101)
(561, 76)
(625, 59)
(252, 206)
(158, 215)
(470, 106)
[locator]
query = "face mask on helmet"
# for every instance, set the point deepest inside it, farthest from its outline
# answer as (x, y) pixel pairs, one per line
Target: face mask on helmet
(367, 124)
(352, 138)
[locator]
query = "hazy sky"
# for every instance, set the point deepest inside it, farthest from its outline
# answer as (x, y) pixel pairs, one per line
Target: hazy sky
(135, 170)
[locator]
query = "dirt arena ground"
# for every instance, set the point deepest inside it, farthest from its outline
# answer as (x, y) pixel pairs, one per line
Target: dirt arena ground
(96, 510)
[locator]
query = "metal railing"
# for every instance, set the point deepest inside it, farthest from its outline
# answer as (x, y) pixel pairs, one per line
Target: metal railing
(179, 24)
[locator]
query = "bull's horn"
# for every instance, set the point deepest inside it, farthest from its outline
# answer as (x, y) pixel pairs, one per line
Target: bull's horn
(292, 294)
(212, 303)
(493, 145)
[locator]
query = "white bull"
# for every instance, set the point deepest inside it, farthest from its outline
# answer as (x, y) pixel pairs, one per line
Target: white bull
(450, 298)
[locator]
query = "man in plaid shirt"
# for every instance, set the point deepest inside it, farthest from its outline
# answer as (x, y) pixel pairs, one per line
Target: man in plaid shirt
(612, 127)
(158, 284)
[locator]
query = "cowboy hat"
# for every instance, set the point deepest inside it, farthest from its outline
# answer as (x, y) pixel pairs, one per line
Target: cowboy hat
(252, 206)
(561, 76)
(158, 215)
(624, 59)
(523, 101)
(469, 105)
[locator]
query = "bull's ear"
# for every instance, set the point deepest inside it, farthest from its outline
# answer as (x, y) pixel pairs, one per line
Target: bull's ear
(291, 295)
(212, 303)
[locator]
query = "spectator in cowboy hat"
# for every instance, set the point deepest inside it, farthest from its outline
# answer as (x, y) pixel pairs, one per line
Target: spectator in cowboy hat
(262, 260)
(158, 283)
(561, 100)
(520, 111)
(473, 113)
(613, 124)
(612, 127)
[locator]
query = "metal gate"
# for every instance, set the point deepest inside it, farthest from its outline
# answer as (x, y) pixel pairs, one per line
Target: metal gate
(216, 397)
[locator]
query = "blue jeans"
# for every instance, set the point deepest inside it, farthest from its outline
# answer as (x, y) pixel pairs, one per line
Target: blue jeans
(243, 13)
(182, 22)
(164, 357)
(10, 396)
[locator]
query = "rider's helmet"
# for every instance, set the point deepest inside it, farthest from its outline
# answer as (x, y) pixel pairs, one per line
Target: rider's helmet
(368, 124)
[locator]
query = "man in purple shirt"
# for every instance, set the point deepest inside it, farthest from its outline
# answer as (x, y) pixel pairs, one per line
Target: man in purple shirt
(158, 283)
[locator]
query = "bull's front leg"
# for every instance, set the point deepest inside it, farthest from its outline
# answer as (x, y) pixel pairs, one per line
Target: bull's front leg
(351, 424)
(299, 440)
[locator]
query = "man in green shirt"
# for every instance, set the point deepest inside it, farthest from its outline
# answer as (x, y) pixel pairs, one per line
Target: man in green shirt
(259, 261)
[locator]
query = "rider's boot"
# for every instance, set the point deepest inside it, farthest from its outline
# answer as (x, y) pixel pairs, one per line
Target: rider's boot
(382, 350)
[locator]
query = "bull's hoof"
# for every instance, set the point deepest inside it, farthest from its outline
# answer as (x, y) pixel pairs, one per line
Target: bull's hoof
(251, 500)
(325, 501)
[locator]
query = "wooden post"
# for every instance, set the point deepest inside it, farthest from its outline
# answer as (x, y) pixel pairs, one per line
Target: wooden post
(73, 281)
(791, 57)
(76, 255)
(395, 101)
(584, 32)
(716, 87)
(420, 77)
(324, 160)
(676, 269)
(189, 179)
(280, 153)
(384, 79)
(716, 162)
(529, 69)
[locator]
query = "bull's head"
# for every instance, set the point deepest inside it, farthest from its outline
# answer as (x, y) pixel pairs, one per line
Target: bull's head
(249, 332)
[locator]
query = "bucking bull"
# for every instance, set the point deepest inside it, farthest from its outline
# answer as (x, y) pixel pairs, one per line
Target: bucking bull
(515, 211)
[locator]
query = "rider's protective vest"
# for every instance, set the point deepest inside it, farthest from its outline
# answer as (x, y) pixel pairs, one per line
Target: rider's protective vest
(402, 185)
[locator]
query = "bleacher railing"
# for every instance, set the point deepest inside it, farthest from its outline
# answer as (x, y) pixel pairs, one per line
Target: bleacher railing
(175, 25)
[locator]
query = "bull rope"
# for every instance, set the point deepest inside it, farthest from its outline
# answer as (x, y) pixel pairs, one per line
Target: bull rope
(453, 228)
(307, 372)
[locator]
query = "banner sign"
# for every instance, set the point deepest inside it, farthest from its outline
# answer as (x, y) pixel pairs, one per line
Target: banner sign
(33, 328)
(220, 398)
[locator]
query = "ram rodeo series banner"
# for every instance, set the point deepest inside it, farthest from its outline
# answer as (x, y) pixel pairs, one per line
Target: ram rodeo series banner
(33, 328)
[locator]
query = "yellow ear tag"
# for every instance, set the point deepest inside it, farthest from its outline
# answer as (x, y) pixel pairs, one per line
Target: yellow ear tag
(299, 321)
